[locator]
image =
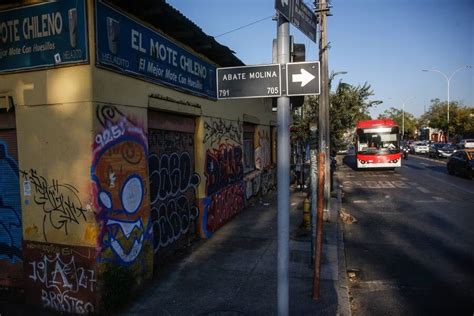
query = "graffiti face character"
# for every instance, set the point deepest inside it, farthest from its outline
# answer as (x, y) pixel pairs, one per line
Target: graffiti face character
(123, 202)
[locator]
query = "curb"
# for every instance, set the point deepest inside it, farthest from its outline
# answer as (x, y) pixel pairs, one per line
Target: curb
(344, 306)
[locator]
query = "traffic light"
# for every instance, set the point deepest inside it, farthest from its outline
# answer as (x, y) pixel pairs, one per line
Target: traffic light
(297, 51)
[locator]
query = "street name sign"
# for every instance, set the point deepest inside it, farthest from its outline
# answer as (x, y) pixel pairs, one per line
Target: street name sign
(258, 81)
(284, 7)
(304, 19)
(300, 15)
(303, 78)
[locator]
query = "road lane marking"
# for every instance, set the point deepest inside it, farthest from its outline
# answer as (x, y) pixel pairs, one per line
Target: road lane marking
(421, 189)
(451, 184)
(436, 199)
(379, 285)
(381, 184)
(431, 201)
(430, 159)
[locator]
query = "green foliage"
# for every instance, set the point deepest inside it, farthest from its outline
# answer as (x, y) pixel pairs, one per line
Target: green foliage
(461, 118)
(402, 119)
(349, 104)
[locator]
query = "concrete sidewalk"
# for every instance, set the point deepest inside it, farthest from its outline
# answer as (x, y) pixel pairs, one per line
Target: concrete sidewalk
(234, 272)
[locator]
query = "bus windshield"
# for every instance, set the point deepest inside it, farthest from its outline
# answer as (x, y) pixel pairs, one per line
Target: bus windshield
(378, 140)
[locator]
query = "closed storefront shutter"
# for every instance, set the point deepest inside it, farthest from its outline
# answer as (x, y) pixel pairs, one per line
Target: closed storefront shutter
(10, 206)
(173, 181)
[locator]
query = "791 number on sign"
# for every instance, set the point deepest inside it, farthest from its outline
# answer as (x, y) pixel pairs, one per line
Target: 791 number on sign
(224, 93)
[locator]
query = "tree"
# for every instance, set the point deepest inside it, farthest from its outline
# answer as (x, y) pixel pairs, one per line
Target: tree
(461, 118)
(403, 119)
(349, 104)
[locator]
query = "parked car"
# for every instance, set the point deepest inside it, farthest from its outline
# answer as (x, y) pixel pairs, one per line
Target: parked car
(433, 150)
(447, 150)
(466, 143)
(441, 150)
(420, 148)
(462, 163)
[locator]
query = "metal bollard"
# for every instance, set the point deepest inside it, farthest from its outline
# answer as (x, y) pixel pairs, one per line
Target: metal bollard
(306, 214)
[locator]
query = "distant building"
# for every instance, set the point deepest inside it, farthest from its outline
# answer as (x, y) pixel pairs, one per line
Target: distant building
(431, 134)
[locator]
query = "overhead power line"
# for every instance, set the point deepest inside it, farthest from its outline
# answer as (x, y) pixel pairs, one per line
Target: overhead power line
(250, 24)
(244, 26)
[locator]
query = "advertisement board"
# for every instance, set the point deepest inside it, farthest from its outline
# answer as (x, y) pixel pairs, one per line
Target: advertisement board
(128, 47)
(44, 35)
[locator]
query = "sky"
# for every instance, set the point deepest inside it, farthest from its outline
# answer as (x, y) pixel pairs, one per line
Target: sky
(385, 43)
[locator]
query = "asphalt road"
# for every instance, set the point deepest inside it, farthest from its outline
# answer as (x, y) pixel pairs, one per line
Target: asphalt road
(411, 251)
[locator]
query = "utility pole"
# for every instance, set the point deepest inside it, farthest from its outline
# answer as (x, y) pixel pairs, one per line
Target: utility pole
(324, 162)
(283, 172)
(324, 138)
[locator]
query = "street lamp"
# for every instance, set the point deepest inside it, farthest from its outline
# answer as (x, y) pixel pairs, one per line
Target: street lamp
(448, 80)
(403, 115)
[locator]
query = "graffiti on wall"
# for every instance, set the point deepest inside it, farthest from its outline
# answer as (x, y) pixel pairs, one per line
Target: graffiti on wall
(262, 151)
(218, 131)
(223, 167)
(60, 278)
(173, 183)
(59, 202)
(268, 180)
(119, 174)
(253, 185)
(224, 173)
(168, 141)
(222, 206)
(10, 208)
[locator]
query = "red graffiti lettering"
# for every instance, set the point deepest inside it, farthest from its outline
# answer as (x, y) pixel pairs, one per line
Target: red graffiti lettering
(224, 205)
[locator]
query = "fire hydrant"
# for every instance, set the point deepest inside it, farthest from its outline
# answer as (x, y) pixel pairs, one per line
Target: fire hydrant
(306, 214)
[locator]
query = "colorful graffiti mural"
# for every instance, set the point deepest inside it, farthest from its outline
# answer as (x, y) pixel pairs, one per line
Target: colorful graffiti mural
(10, 217)
(59, 202)
(173, 185)
(224, 173)
(61, 278)
(119, 173)
(222, 206)
(223, 167)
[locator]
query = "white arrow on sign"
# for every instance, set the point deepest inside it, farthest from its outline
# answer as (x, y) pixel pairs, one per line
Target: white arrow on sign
(304, 77)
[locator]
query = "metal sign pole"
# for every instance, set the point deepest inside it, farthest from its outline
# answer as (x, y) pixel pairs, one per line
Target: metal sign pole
(283, 173)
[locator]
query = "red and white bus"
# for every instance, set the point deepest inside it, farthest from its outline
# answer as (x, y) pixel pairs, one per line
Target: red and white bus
(377, 144)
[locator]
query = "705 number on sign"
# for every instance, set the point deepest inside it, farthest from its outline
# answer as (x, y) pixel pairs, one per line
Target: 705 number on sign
(273, 90)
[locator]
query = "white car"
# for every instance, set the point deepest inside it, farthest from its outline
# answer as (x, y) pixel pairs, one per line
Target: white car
(421, 148)
(466, 143)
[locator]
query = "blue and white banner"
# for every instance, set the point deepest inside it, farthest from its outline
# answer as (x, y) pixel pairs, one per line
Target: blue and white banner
(43, 35)
(126, 46)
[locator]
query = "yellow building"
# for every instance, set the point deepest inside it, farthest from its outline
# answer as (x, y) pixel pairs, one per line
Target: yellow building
(114, 150)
